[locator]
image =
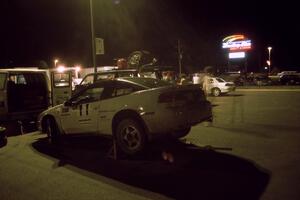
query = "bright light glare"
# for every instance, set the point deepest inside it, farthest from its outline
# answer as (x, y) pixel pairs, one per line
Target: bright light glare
(237, 55)
(77, 68)
(55, 62)
(244, 44)
(61, 69)
(117, 1)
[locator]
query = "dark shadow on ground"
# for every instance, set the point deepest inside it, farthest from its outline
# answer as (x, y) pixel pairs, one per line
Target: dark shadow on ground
(3, 142)
(196, 173)
(3, 137)
(226, 95)
(231, 95)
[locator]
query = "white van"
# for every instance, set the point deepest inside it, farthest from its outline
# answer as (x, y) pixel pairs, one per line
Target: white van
(24, 93)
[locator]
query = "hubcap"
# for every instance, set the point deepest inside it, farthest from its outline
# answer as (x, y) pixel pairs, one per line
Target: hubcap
(131, 137)
(216, 92)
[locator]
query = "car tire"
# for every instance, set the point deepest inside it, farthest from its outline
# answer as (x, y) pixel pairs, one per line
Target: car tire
(52, 131)
(130, 136)
(181, 133)
(216, 92)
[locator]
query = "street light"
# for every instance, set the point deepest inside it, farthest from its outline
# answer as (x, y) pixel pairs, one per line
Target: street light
(269, 63)
(61, 68)
(55, 62)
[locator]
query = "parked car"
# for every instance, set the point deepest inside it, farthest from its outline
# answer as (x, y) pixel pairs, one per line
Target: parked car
(217, 86)
(290, 79)
(262, 80)
(133, 110)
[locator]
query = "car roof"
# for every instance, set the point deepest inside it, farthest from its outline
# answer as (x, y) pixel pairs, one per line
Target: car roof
(145, 82)
(141, 81)
(113, 71)
(22, 70)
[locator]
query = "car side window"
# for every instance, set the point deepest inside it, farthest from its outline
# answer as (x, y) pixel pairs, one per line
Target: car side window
(220, 80)
(123, 89)
(61, 79)
(105, 76)
(89, 95)
(89, 79)
(118, 89)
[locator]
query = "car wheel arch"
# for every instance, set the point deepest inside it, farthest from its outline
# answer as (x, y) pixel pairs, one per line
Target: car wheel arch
(132, 114)
(44, 121)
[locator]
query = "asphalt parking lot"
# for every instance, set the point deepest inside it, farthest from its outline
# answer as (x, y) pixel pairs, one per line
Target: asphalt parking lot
(250, 151)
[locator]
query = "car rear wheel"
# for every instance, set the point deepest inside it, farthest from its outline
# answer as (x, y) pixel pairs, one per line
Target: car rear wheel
(52, 130)
(130, 136)
(216, 92)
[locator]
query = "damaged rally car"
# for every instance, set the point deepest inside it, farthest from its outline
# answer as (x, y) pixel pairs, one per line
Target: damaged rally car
(132, 110)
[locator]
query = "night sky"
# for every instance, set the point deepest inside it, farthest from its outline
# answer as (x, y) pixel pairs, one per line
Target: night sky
(35, 32)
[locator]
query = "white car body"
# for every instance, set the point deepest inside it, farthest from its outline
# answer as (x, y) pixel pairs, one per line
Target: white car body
(216, 86)
(160, 110)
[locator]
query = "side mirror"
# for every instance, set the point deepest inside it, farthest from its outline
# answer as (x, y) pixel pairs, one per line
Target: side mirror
(83, 99)
(68, 103)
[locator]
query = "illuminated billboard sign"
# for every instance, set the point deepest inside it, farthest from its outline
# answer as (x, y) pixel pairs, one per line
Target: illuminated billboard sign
(235, 55)
(236, 43)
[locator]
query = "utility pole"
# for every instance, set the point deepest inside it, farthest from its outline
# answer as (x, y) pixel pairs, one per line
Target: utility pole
(93, 36)
(179, 56)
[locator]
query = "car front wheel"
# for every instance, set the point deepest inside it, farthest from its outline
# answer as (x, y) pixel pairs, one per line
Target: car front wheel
(52, 130)
(130, 136)
(216, 92)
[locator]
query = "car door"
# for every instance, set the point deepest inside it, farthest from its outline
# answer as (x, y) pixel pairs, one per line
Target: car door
(61, 86)
(208, 84)
(111, 103)
(80, 115)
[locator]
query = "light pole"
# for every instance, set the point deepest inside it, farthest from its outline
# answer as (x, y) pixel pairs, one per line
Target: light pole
(179, 57)
(269, 63)
(93, 36)
(55, 62)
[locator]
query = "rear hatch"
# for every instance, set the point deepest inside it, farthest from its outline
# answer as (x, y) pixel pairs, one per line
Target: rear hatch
(189, 100)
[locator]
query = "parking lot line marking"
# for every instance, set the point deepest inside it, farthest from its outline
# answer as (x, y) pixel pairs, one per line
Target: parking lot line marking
(268, 90)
